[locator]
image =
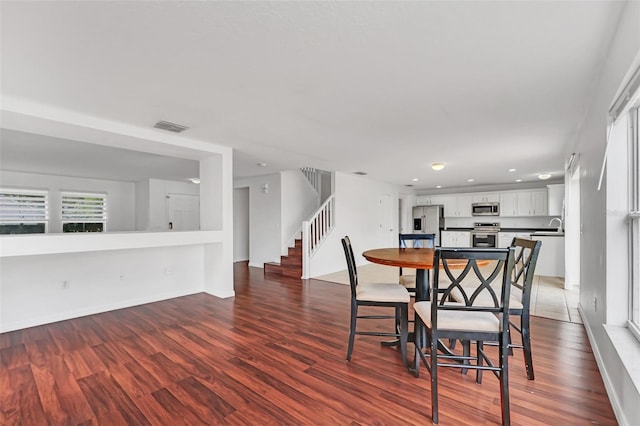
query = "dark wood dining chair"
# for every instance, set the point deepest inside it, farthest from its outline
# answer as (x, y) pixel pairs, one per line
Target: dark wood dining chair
(408, 280)
(467, 320)
(387, 295)
(526, 257)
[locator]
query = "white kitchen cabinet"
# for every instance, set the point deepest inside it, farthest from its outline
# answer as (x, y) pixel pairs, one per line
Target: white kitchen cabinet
(438, 200)
(524, 203)
(539, 202)
(551, 256)
(457, 206)
(555, 199)
(489, 197)
(430, 200)
(423, 200)
(456, 239)
(505, 238)
(508, 204)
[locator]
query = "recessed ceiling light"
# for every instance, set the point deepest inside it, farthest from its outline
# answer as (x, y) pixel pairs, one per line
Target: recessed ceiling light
(512, 170)
(261, 164)
(518, 180)
(437, 166)
(438, 186)
(544, 176)
(195, 180)
(470, 180)
(415, 179)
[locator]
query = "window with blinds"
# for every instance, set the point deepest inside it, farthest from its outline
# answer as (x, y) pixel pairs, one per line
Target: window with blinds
(83, 212)
(23, 211)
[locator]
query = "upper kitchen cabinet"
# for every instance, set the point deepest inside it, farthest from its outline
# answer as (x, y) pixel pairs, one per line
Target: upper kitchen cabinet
(489, 197)
(457, 206)
(524, 203)
(538, 206)
(508, 204)
(555, 199)
(430, 200)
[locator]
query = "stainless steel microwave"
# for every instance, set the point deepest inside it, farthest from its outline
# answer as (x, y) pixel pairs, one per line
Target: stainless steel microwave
(485, 209)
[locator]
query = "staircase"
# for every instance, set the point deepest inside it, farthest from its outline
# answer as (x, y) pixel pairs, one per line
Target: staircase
(290, 265)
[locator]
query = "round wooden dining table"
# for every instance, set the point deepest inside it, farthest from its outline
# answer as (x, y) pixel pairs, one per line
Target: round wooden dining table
(421, 259)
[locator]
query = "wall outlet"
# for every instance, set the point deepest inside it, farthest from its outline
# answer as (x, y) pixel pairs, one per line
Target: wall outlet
(595, 303)
(66, 284)
(168, 271)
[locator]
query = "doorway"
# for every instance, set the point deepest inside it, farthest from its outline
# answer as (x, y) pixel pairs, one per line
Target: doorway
(385, 216)
(241, 224)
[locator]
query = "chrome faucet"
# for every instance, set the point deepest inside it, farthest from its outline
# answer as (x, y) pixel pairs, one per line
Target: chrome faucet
(559, 223)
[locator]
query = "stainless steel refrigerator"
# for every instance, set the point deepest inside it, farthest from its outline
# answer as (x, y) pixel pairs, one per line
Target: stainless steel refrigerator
(428, 220)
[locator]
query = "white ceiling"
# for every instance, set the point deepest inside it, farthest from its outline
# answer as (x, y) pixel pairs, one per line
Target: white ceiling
(385, 88)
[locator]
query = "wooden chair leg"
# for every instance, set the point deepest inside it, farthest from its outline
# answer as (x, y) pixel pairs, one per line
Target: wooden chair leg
(352, 329)
(419, 341)
(434, 379)
(479, 348)
(466, 351)
(526, 346)
(510, 342)
(504, 381)
(404, 331)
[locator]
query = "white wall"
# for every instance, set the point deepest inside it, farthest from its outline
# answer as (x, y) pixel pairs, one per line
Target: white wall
(600, 300)
(264, 218)
(298, 202)
(240, 224)
(357, 201)
(142, 205)
(158, 191)
(120, 196)
(206, 265)
(33, 292)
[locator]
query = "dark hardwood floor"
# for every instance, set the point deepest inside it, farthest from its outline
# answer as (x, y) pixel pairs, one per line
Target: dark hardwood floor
(274, 354)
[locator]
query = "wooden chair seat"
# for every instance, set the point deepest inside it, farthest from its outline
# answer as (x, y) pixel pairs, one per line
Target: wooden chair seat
(382, 292)
(459, 321)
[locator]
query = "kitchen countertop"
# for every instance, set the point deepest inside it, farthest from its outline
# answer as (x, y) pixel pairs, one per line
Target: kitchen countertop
(538, 231)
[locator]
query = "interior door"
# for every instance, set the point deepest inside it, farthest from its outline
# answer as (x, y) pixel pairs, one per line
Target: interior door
(183, 211)
(386, 228)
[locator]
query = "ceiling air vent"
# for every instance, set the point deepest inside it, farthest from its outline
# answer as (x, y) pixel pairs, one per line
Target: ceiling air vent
(360, 173)
(172, 127)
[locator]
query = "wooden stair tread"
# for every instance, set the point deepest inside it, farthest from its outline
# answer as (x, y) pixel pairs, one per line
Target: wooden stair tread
(290, 265)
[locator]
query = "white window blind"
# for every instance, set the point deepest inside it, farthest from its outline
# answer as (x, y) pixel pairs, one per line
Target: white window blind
(20, 205)
(84, 207)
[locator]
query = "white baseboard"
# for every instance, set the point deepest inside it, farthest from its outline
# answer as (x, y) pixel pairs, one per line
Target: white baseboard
(61, 316)
(608, 384)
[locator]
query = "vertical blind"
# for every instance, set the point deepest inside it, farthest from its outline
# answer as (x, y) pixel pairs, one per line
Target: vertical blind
(19, 205)
(84, 207)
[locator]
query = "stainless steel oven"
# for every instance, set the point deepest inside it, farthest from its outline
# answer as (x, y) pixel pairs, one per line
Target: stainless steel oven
(485, 235)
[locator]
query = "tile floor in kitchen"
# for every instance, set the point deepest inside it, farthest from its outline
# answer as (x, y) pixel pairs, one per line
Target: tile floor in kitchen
(549, 299)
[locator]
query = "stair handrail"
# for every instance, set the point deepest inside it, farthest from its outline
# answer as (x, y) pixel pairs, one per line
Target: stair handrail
(315, 231)
(314, 176)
